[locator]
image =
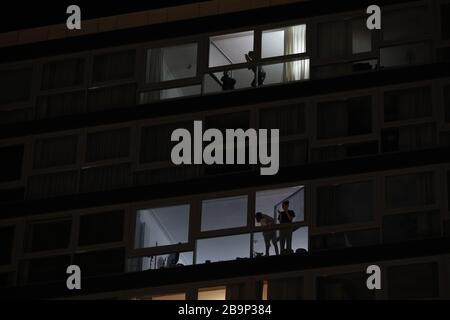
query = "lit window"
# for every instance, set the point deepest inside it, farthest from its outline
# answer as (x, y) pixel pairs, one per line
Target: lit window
(7, 241)
(175, 296)
(11, 168)
(162, 226)
(345, 203)
(48, 235)
(111, 230)
(223, 248)
(405, 24)
(218, 293)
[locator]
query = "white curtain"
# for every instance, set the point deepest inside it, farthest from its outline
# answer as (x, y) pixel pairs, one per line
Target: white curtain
(294, 43)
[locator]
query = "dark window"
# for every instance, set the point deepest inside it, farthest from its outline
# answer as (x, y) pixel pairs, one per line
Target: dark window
(447, 228)
(60, 104)
(8, 116)
(101, 228)
(443, 54)
(413, 281)
(62, 74)
(112, 97)
(345, 151)
(236, 120)
(407, 104)
(345, 239)
(407, 54)
(49, 235)
(16, 85)
(445, 21)
(351, 286)
(448, 190)
(6, 244)
(101, 262)
(55, 152)
(409, 190)
(47, 269)
(106, 178)
(346, 203)
(289, 120)
(156, 144)
(447, 103)
(409, 138)
(159, 227)
(344, 118)
(286, 289)
(111, 144)
(411, 226)
(114, 66)
(11, 158)
(171, 63)
(52, 185)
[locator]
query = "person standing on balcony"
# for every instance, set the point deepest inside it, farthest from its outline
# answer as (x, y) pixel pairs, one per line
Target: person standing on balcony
(270, 236)
(258, 71)
(286, 216)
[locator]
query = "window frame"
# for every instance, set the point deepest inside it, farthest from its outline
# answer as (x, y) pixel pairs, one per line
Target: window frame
(315, 142)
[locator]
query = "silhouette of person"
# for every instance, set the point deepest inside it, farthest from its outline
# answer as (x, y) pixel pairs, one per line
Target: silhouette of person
(270, 236)
(286, 216)
(258, 71)
(228, 82)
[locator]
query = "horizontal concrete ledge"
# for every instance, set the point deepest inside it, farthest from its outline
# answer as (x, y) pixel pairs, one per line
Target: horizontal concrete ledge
(236, 269)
